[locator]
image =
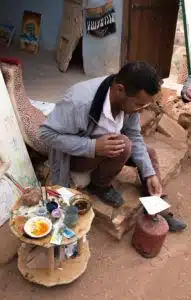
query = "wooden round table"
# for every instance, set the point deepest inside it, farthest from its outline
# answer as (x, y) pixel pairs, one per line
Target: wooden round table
(36, 259)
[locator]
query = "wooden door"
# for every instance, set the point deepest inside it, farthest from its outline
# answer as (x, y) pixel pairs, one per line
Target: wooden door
(148, 32)
(70, 33)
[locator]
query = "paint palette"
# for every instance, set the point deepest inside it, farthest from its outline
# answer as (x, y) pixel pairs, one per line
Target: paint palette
(38, 227)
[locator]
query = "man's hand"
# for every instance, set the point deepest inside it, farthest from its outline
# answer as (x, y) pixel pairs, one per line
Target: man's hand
(154, 186)
(109, 145)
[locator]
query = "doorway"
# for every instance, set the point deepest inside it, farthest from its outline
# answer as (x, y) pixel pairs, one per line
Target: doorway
(148, 32)
(77, 57)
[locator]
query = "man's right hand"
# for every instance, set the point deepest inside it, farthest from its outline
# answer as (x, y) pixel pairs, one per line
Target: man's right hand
(109, 145)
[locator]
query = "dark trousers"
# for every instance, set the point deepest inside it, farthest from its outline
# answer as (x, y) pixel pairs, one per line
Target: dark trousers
(104, 170)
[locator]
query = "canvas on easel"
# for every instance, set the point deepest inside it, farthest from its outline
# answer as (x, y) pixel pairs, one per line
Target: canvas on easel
(30, 35)
(14, 157)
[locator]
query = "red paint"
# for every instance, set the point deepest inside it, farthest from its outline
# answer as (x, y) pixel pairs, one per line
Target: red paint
(11, 61)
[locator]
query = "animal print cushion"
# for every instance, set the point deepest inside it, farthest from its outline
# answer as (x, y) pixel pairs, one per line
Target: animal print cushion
(29, 118)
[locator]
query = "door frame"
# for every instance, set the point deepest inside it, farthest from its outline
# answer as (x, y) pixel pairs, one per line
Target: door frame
(126, 31)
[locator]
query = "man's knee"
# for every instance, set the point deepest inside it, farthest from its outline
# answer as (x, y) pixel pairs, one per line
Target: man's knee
(128, 145)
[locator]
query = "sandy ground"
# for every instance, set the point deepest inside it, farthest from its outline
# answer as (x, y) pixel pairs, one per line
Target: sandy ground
(42, 79)
(116, 271)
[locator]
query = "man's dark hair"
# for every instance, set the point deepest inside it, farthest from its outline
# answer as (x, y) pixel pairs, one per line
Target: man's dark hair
(137, 76)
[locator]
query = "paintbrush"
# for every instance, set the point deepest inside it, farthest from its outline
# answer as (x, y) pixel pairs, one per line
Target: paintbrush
(13, 180)
(53, 193)
(42, 195)
(46, 193)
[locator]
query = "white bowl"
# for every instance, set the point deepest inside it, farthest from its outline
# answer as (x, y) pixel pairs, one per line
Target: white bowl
(28, 228)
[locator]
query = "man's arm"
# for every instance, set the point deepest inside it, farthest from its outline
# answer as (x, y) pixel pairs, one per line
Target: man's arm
(139, 154)
(60, 131)
(186, 84)
(186, 90)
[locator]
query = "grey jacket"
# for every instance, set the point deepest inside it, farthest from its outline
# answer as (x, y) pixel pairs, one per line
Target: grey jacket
(68, 131)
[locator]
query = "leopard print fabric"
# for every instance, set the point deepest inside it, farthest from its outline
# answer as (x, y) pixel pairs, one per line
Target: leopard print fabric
(29, 118)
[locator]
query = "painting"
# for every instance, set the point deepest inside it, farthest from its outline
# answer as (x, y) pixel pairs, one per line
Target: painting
(6, 34)
(14, 157)
(30, 34)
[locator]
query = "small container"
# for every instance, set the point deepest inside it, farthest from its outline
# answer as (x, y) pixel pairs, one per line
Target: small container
(56, 213)
(71, 216)
(51, 206)
(82, 202)
(41, 212)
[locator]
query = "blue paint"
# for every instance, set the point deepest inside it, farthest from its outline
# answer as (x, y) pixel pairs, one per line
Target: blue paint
(11, 12)
(102, 56)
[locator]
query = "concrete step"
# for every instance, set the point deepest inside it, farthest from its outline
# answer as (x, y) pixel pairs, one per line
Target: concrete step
(118, 221)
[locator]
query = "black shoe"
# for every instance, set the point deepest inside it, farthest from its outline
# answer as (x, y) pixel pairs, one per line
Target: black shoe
(175, 225)
(108, 195)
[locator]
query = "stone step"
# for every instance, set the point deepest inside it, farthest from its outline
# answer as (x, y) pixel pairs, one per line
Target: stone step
(118, 221)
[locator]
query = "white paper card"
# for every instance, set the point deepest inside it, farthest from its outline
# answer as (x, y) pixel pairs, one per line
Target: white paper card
(154, 204)
(45, 107)
(66, 194)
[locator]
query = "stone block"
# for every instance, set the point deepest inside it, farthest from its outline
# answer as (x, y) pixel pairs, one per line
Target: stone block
(126, 224)
(9, 245)
(101, 209)
(170, 155)
(185, 120)
(168, 92)
(128, 174)
(118, 221)
(171, 128)
(146, 117)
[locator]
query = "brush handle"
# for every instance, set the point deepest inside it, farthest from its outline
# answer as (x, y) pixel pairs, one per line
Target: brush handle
(13, 180)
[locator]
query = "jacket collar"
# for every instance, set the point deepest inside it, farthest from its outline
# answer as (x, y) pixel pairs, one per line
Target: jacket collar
(99, 98)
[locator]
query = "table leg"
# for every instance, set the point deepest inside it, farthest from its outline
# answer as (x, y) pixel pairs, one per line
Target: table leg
(80, 245)
(51, 261)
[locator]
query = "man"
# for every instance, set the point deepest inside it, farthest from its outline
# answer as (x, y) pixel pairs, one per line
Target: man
(96, 129)
(186, 90)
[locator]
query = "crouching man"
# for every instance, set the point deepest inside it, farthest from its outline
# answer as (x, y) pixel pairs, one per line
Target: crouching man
(96, 129)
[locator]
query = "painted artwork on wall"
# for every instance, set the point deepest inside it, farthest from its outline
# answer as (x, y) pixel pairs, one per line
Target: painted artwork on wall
(6, 34)
(30, 35)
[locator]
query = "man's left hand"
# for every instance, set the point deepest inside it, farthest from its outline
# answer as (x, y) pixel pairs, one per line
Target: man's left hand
(154, 185)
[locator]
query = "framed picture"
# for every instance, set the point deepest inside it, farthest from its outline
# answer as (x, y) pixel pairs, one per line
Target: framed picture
(30, 34)
(6, 34)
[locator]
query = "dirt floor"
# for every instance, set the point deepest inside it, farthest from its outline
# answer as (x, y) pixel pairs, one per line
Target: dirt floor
(116, 271)
(42, 79)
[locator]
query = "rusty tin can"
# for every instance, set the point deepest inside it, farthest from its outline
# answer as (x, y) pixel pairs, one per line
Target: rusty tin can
(149, 235)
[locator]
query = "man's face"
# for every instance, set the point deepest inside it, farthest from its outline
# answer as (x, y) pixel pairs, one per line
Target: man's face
(130, 104)
(136, 103)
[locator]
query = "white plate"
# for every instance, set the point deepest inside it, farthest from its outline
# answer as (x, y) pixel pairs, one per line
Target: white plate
(30, 224)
